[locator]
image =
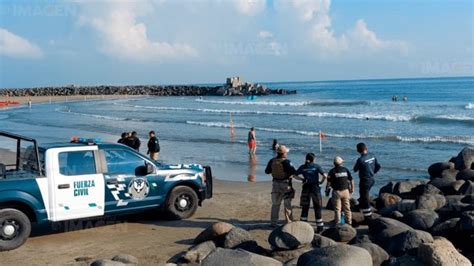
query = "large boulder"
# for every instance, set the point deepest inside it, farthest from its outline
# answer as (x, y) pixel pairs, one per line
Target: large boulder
(340, 255)
(405, 260)
(426, 189)
(387, 199)
(408, 242)
(449, 173)
(421, 219)
(430, 202)
(465, 159)
(237, 257)
(467, 188)
(466, 174)
(216, 231)
(444, 184)
(359, 239)
(320, 241)
(468, 199)
(291, 235)
(107, 262)
(403, 188)
(383, 229)
(340, 233)
(288, 255)
(436, 169)
(126, 259)
(447, 228)
(388, 188)
(198, 253)
(378, 254)
(237, 236)
(466, 222)
(440, 253)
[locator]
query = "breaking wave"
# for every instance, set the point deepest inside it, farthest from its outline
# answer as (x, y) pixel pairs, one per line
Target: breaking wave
(432, 139)
(273, 103)
(64, 111)
(469, 106)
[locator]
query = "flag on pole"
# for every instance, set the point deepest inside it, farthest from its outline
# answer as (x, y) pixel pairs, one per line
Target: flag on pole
(321, 135)
(232, 129)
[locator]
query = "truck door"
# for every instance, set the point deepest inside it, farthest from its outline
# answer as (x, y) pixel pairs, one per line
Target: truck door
(76, 185)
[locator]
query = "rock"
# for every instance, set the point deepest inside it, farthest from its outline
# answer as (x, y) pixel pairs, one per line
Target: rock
(441, 252)
(107, 262)
(446, 228)
(388, 188)
(465, 159)
(214, 232)
(358, 219)
(421, 219)
(467, 188)
(403, 188)
(430, 202)
(396, 215)
(291, 235)
(359, 239)
(340, 233)
(383, 229)
(293, 262)
(339, 255)
(237, 257)
(320, 241)
(378, 254)
(288, 255)
(449, 174)
(443, 184)
(388, 199)
(199, 252)
(469, 199)
(466, 222)
(436, 169)
(408, 242)
(456, 186)
(405, 260)
(237, 236)
(406, 205)
(425, 189)
(125, 258)
(466, 174)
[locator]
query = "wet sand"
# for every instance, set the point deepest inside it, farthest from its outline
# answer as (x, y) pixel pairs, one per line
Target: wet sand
(150, 237)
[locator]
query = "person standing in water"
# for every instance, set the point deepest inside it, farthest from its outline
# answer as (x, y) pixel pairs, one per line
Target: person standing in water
(252, 141)
(367, 166)
(311, 190)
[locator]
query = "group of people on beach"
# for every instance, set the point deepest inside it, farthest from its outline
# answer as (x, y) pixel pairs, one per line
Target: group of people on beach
(339, 180)
(131, 140)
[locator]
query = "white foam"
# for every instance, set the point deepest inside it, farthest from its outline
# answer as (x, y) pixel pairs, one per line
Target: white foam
(91, 115)
(456, 117)
(469, 106)
(274, 103)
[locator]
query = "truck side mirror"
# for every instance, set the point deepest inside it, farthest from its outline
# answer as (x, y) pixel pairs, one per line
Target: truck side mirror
(150, 169)
(145, 169)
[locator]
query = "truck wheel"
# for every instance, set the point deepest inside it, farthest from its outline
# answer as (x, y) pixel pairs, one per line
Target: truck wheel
(182, 202)
(15, 228)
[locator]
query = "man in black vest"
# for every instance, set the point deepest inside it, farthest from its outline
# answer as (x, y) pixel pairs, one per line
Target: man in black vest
(281, 170)
(153, 146)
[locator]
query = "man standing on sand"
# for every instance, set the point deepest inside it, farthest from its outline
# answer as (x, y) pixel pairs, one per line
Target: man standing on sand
(153, 146)
(367, 166)
(311, 191)
(123, 137)
(340, 180)
(252, 141)
(281, 170)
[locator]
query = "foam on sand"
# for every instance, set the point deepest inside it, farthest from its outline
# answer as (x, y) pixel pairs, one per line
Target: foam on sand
(274, 103)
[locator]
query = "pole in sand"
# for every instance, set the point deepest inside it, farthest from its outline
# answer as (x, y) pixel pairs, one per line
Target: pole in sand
(232, 129)
(320, 142)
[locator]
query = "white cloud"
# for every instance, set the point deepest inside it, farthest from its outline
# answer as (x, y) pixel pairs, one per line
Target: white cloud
(250, 7)
(367, 38)
(123, 36)
(17, 47)
(263, 34)
(269, 45)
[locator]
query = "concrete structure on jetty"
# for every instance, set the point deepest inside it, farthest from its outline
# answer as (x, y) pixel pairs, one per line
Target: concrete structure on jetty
(233, 87)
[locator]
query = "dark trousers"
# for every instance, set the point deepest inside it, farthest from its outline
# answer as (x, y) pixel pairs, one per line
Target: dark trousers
(364, 201)
(311, 193)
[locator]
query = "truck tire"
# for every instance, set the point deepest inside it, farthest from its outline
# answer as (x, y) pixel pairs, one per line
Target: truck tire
(182, 203)
(15, 228)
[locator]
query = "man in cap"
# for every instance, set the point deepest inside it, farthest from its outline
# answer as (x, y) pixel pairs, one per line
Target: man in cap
(340, 180)
(281, 170)
(367, 166)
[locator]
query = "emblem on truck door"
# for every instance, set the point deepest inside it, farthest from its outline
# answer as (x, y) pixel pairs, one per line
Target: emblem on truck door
(138, 188)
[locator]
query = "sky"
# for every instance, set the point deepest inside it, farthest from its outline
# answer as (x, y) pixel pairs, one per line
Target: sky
(92, 42)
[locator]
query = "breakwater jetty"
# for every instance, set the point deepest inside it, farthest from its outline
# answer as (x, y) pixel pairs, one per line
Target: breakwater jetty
(233, 87)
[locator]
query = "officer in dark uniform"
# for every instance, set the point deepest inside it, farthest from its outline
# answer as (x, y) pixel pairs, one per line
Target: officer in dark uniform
(281, 170)
(311, 191)
(367, 166)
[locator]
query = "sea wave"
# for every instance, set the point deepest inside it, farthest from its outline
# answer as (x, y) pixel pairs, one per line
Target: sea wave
(360, 116)
(274, 103)
(64, 111)
(431, 139)
(469, 106)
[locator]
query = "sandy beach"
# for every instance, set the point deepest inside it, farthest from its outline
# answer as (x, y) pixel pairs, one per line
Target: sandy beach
(45, 99)
(150, 237)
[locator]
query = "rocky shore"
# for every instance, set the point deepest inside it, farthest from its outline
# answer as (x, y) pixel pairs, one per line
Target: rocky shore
(245, 89)
(415, 223)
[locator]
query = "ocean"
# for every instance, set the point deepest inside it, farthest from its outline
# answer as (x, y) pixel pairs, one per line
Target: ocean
(434, 124)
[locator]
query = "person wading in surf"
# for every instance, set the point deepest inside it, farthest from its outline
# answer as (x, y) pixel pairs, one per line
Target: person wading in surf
(252, 141)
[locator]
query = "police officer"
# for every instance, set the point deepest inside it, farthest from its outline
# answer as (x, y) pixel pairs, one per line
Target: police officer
(367, 166)
(281, 170)
(340, 180)
(311, 191)
(153, 146)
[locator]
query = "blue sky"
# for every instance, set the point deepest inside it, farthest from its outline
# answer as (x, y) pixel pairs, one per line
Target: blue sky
(188, 41)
